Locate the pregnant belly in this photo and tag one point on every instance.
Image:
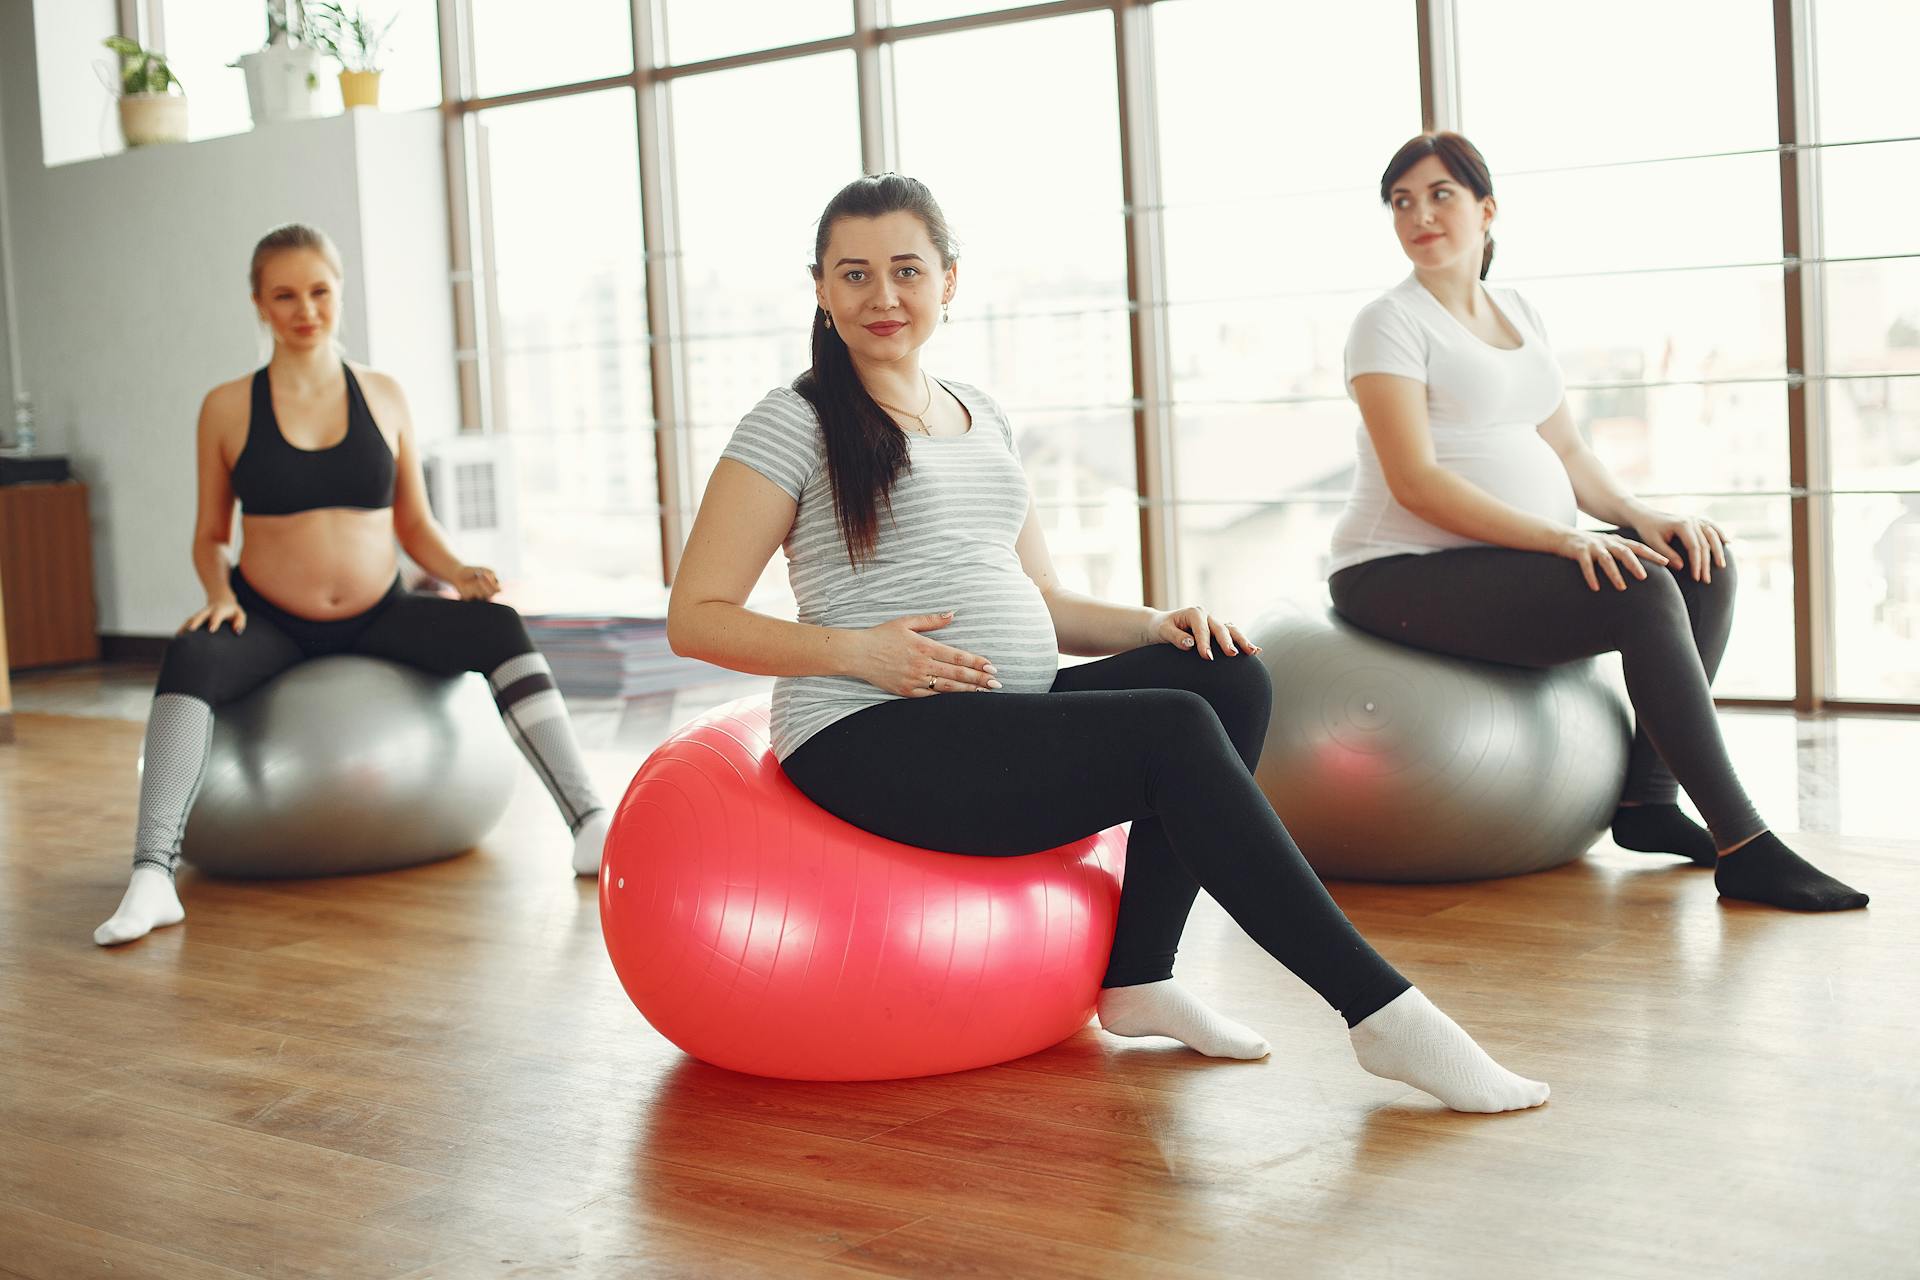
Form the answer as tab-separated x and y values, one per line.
1519	468
1000	618
326	564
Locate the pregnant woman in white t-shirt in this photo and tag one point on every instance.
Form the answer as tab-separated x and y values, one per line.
1460	536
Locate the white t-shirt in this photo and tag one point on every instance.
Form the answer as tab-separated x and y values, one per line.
1483	405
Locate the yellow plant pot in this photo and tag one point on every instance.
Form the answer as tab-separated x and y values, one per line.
359	89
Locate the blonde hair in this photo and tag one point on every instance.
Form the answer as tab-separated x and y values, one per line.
294	235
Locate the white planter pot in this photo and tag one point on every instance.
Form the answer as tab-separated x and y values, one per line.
147	118
282	82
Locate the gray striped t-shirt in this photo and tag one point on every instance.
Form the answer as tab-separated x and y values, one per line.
949	544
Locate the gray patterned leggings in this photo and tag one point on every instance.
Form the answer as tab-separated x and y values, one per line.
204	670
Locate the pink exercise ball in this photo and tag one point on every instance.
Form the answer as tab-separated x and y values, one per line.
760	933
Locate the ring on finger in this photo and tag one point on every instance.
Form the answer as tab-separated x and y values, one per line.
930	680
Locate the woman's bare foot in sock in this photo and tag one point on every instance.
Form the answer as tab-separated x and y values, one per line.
1409	1040
1764	870
1663	828
151	902
589	842
1168	1009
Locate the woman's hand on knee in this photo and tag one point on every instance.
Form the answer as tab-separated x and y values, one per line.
1194	628
1703	544
226	609
1607	553
897	657
475	582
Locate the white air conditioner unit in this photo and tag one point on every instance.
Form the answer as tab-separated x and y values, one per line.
472	490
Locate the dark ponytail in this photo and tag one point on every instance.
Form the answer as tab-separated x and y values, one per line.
1463	161
866	452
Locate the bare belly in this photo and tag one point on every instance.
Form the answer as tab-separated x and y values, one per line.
327	564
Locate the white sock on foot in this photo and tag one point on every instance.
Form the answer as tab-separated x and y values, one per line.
589	841
150	902
1409	1040
1166	1008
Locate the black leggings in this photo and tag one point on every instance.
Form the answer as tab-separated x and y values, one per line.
1533	609
432	633
1158	736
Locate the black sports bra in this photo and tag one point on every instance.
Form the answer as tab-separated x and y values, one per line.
273	478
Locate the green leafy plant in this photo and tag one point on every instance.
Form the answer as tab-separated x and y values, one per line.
351	39
142	70
286	22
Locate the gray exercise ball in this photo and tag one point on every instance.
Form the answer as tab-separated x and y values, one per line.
348	764
1392	763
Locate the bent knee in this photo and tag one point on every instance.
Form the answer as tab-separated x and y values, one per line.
500	630
194	661
1235	686
1178	713
1244	673
1656	592
1656	604
1726	577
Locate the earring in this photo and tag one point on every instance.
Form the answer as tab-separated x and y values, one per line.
827	316
946	316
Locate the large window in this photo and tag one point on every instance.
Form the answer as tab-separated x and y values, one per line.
1040	315
695	30
1870	182
744	245
517	46
568	357
1275	238
1640	195
1654	257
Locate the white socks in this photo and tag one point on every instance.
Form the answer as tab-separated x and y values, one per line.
1166	1008
1409	1040
149	904
588	842
1406	1040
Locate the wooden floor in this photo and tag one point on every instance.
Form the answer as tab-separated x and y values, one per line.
435	1073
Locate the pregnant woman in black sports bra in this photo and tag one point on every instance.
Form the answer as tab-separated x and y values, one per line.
319	573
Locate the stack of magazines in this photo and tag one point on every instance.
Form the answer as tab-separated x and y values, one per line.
594	656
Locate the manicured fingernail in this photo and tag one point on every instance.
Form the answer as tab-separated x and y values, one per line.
993	684
989	668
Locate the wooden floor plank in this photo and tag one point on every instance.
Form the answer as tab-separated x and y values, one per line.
38	1246
222	1227
210	1154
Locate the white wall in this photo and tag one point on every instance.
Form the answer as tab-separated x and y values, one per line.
404	259
132	292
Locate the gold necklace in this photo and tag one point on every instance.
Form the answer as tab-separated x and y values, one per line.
920	417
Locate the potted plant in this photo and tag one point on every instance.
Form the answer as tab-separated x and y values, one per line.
352	40
148	112
283	77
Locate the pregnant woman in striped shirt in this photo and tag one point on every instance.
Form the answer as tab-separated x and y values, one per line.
922	579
